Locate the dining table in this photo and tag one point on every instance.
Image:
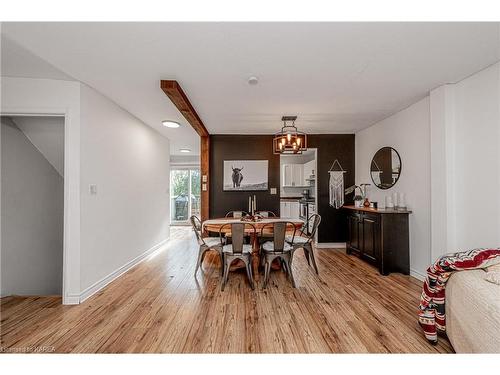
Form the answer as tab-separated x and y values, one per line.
215	226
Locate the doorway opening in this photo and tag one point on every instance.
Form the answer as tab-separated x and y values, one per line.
32	205
298	185
185	188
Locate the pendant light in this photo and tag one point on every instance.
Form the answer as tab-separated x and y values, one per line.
289	140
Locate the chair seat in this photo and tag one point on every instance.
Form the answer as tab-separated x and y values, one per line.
247	249
269	246
212	241
296	240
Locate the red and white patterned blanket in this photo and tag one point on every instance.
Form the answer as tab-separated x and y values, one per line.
431	314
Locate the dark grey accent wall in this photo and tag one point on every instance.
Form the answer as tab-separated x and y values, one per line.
259	147
241	147
333	226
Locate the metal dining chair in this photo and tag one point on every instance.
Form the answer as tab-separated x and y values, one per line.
237	249
278	248
206	244
265	213
237	214
305	239
263	237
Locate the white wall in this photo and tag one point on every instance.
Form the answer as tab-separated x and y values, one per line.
185	161
129	163
48	96
449	144
126	159
466	123
477	178
32	218
408	132
47	135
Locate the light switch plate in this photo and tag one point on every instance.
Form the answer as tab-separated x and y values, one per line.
204	178
273	191
204	187
93	189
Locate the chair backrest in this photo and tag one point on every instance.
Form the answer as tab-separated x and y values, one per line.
265	213
280	229
237	235
236	214
196	224
316	220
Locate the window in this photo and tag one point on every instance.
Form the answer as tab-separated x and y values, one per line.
185	194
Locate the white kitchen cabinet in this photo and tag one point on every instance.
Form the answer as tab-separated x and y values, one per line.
294	210
284	209
289	209
293	175
287	174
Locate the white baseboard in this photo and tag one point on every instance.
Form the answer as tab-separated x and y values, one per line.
417	275
91	290
71	299
331	245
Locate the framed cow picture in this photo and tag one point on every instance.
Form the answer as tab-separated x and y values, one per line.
245	175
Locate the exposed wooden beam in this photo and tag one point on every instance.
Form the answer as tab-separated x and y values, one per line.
174	91
205	171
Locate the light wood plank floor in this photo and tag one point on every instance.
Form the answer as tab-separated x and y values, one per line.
159	306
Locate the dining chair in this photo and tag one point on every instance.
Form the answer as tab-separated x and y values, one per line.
263	237
237	214
305	239
265	213
205	243
237	249
278	248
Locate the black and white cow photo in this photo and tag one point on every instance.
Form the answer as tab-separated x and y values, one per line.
245	175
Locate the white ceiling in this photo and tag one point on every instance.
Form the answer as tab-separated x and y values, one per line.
16	61
19	62
337	77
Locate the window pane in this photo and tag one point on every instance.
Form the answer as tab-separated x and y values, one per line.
179	188
195	192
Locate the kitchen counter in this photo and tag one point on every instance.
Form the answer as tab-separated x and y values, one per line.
377	210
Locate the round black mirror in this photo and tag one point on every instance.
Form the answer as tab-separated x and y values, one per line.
385	168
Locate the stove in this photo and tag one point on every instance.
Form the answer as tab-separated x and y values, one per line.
304	205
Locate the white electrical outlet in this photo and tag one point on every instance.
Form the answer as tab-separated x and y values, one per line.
273	190
93	189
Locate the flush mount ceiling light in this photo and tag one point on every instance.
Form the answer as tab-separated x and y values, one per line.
185	150
289	140
253	80
170	124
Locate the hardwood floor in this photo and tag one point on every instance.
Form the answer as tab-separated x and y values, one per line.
159	306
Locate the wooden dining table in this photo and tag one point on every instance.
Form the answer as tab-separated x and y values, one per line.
215	225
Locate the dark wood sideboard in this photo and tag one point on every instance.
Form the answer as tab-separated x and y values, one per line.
381	237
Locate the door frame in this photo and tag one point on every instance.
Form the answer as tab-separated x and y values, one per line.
71	227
